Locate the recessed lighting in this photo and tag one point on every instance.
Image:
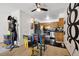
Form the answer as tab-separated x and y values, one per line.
47	18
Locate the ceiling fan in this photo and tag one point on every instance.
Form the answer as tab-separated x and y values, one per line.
39	8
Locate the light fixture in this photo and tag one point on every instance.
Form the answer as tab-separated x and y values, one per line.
47	17
48	27
32	20
38	9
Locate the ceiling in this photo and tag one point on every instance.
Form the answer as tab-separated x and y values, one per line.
54	9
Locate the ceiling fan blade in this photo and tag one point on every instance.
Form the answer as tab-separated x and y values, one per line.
33	10
44	9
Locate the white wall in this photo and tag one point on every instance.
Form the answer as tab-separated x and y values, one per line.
24	21
5	11
24	24
3	26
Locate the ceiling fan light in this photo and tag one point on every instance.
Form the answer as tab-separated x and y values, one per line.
38	9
